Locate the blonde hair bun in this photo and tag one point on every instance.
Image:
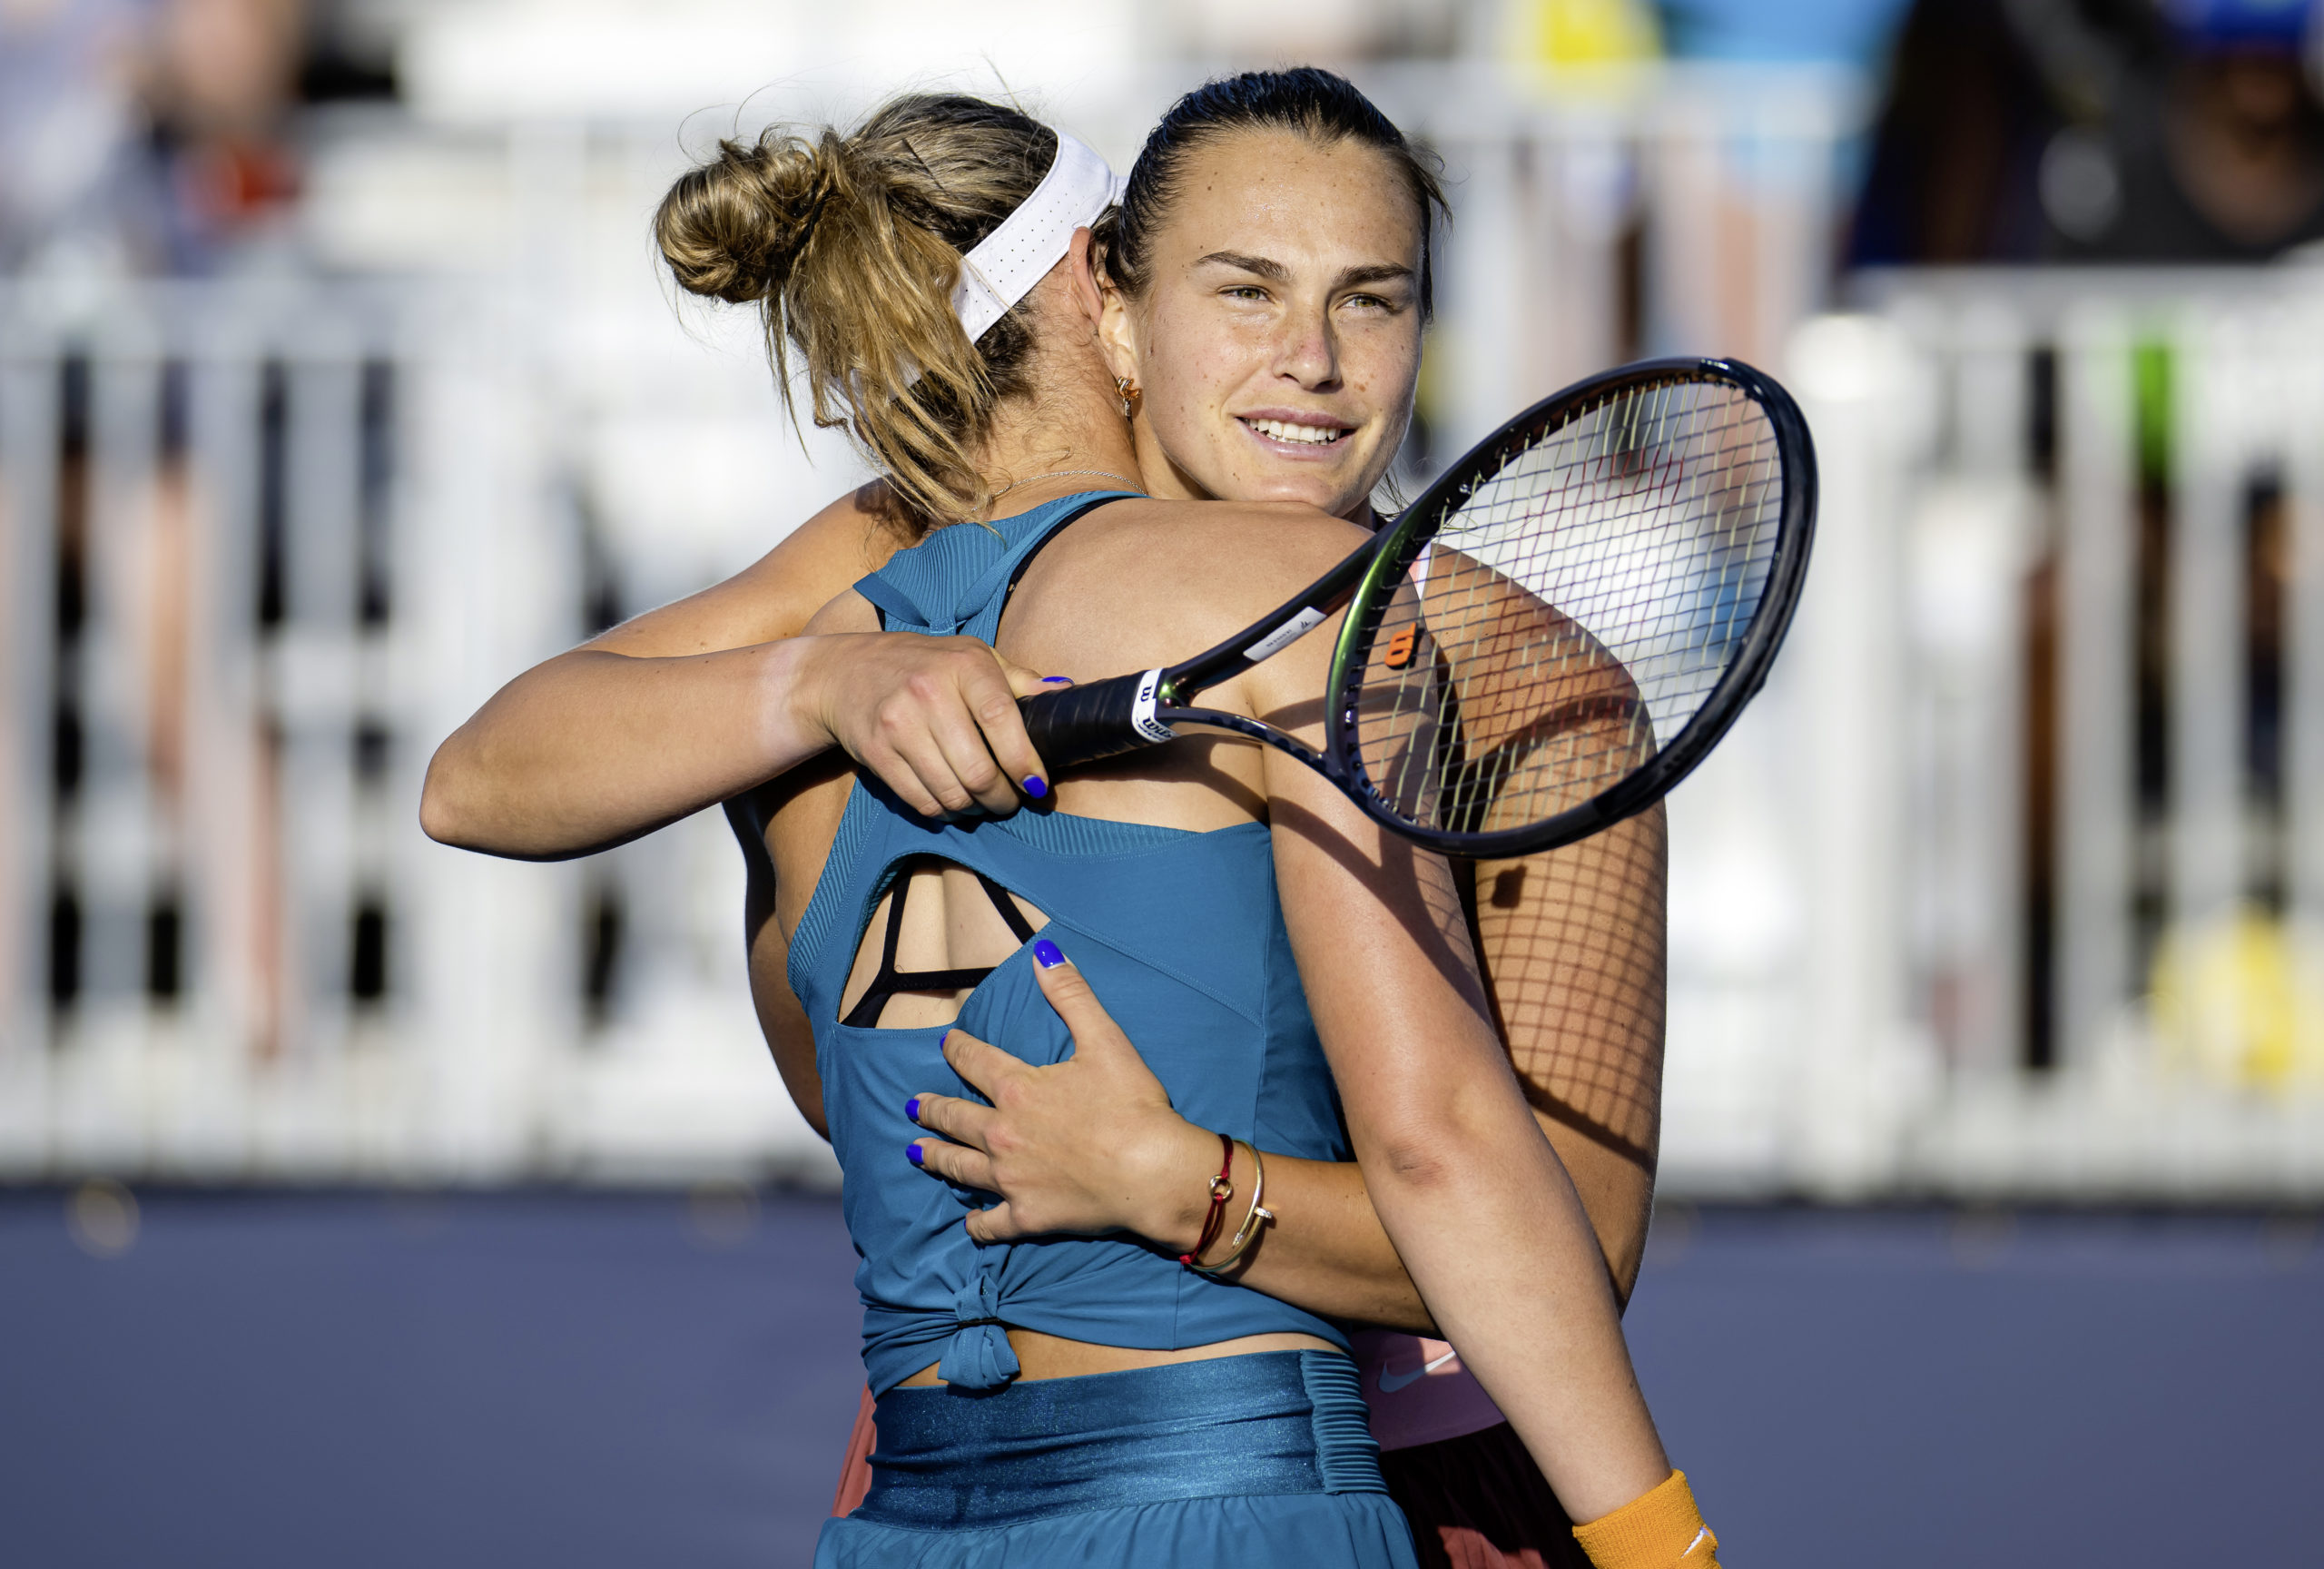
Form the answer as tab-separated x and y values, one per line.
732	229
851	246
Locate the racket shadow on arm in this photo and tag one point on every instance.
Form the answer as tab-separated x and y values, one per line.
1534	716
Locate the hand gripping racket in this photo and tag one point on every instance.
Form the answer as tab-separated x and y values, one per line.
1550	638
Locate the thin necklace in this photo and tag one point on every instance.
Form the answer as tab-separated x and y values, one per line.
1072	473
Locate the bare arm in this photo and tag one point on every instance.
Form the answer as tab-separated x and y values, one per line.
1573	944
1477	1203
698	700
654	719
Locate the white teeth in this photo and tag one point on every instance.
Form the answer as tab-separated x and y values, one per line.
1283	430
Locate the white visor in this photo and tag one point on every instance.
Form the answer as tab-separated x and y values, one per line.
1007	263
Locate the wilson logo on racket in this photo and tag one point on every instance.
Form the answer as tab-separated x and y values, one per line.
1149	686
1607	580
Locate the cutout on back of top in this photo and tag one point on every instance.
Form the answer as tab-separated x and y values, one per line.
940	930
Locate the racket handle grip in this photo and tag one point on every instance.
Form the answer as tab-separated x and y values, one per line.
1083	723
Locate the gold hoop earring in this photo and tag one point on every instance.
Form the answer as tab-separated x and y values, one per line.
1128	395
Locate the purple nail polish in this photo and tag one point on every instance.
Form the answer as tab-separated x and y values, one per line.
1047	953
1036	786
911	1108
913	1154
1057	680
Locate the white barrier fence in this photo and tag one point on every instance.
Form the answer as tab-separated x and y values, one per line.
264	548
2009	885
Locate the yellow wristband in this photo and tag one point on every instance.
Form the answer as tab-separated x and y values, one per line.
1656	1530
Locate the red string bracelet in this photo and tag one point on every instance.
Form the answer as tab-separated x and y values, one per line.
1222	1188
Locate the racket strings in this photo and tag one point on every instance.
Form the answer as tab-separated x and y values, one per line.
1576	611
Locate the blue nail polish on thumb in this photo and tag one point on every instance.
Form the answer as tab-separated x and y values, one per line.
1057	680
1047	954
1036	786
912	1153
911	1108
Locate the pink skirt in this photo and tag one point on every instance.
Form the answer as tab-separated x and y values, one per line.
855	1471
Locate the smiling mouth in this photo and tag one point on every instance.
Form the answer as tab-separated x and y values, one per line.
1302	435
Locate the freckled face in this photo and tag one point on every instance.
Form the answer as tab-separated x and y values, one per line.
1278	345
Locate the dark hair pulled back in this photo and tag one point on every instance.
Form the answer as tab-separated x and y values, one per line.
850	245
1314	103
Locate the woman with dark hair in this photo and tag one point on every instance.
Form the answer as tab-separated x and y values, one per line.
1477	1203
1194	322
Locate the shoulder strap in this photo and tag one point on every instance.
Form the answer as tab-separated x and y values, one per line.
930	604
1000	579
894	603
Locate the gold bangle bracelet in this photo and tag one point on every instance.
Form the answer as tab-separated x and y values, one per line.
1259	1215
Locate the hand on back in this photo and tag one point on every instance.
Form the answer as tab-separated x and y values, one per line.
1087	1146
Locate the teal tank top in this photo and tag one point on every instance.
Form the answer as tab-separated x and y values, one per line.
1182	938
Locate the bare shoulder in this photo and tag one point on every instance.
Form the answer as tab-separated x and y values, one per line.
1244	537
1146	583
776	596
847	611
1216	564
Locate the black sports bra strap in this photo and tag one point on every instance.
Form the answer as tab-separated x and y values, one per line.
895	929
1007	908
865	1014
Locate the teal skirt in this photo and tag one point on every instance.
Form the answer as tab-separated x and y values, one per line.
1239	1461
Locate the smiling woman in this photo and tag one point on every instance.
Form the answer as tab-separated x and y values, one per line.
1262	291
1266	281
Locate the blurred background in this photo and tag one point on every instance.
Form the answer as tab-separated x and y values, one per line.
364	1200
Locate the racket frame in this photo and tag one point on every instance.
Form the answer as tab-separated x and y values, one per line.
1368	577
1402	543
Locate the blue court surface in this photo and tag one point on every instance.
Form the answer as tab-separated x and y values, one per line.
353	1380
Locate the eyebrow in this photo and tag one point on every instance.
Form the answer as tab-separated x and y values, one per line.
1275	271
1265	267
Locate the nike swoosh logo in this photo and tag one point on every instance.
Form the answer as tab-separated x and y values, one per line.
1390	1382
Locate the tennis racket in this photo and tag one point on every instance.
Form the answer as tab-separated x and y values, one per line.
1550	638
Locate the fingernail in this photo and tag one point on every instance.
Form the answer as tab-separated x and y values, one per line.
1036	786
911	1108
1057	680
913	1154
1047	953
